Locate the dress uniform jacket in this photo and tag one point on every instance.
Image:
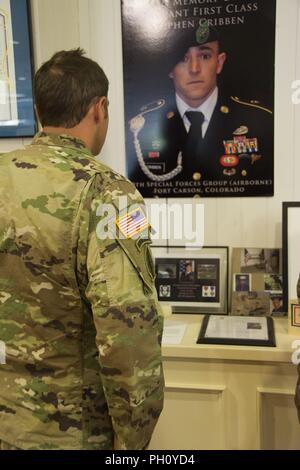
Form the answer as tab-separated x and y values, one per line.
164	137
78	312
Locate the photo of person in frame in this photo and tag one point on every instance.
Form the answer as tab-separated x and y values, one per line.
198	131
277	306
187	271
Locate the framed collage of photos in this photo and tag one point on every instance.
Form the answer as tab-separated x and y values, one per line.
17	117
257	284
192	280
291	260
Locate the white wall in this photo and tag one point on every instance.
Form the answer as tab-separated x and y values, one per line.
96	26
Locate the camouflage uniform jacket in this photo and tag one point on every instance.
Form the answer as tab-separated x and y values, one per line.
78	312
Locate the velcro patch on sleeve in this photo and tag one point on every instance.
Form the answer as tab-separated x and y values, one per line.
133	223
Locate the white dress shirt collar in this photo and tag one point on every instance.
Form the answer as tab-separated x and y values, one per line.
207	108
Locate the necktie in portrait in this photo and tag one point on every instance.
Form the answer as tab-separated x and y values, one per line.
194	138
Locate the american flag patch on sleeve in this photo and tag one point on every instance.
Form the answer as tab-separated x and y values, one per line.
133	223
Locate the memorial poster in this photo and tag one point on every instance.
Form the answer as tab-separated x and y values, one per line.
199	96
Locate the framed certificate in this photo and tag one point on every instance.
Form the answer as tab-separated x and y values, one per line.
255	331
16	102
193	280
291	252
295	315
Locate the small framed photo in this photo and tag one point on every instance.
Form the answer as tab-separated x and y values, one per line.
237	331
192	280
250	303
242	283
260	260
273	283
260	269
291	252
17	117
276	305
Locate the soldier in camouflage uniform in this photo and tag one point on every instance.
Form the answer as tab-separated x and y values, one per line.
78	311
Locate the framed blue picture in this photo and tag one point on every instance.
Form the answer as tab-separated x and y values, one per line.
17	118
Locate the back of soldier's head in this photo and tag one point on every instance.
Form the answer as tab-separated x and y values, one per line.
66	86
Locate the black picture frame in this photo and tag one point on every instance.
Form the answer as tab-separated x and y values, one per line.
17	116
286	251
269	330
193	305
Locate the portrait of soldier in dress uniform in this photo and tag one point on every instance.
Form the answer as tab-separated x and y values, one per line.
198	134
187	271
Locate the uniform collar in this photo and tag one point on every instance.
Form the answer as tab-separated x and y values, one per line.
61	140
207	108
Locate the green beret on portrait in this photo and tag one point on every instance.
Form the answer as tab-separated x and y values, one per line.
181	40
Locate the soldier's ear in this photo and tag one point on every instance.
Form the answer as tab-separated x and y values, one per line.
100	110
103	103
171	75
221	62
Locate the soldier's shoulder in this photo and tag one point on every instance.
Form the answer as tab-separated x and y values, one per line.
110	186
167	116
250	105
12	156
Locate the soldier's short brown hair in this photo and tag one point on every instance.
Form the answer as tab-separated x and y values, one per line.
66	86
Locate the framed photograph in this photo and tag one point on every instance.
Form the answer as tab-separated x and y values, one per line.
242	282
257	286
260	260
17	117
291	252
237	331
234	146
250	303
276	305
273	283
192	280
